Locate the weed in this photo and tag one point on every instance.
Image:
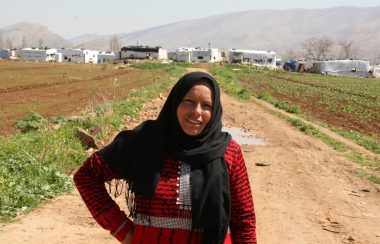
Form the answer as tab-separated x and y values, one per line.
31	122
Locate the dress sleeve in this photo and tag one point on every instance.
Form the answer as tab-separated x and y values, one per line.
90	181
243	220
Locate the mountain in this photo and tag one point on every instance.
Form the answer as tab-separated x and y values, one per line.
86	38
32	34
101	44
278	30
282	31
274	30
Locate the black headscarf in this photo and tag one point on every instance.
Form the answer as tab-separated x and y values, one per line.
138	156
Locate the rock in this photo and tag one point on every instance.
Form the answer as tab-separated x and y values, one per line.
262	164
86	139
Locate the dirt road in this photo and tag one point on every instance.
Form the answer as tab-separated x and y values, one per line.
306	194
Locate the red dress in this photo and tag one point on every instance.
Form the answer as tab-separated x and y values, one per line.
166	218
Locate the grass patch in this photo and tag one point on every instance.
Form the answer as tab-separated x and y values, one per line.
290	108
311	130
365	141
373	178
229	82
31	122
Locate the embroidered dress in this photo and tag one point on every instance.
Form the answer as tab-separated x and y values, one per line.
167	217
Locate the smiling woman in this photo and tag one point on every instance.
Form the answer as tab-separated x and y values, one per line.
187	177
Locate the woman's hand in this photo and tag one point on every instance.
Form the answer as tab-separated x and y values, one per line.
128	238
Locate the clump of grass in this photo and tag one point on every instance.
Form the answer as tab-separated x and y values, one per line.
31	122
364	160
25	182
375	179
311	130
290	108
60	119
340	147
365	141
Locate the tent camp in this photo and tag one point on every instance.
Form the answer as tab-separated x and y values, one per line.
342	67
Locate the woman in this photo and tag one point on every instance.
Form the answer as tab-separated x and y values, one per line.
187	179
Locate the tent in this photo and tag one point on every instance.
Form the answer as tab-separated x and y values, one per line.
342	67
376	71
262	58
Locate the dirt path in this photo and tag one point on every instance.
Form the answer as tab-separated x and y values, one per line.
307	194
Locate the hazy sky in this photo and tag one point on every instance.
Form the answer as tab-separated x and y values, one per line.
69	18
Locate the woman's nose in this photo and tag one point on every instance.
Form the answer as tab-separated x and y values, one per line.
198	109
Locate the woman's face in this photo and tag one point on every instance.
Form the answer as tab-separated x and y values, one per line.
195	110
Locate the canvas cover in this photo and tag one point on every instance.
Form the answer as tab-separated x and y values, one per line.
376	71
262	58
358	68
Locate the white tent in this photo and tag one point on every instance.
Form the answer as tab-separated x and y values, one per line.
36	54
183	54
262	58
376	71
342	67
106	56
72	55
5	53
79	55
205	55
143	52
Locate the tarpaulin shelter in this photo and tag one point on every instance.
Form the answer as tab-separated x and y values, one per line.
262	58
358	68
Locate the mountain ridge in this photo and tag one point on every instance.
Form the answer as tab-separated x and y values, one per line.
276	30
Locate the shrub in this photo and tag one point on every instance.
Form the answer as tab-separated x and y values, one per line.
31	122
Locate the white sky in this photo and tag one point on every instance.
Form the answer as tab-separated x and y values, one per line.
69	18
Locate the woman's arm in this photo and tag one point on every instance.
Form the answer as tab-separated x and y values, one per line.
89	180
243	221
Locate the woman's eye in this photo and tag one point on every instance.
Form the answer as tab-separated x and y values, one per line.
207	106
187	102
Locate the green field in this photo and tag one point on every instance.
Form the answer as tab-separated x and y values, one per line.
349	105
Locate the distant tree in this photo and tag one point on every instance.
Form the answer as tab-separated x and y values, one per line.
289	55
317	48
23	41
1	41
9	43
40	42
376	58
114	43
347	50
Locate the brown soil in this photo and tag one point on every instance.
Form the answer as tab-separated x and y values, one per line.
307	194
62	89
